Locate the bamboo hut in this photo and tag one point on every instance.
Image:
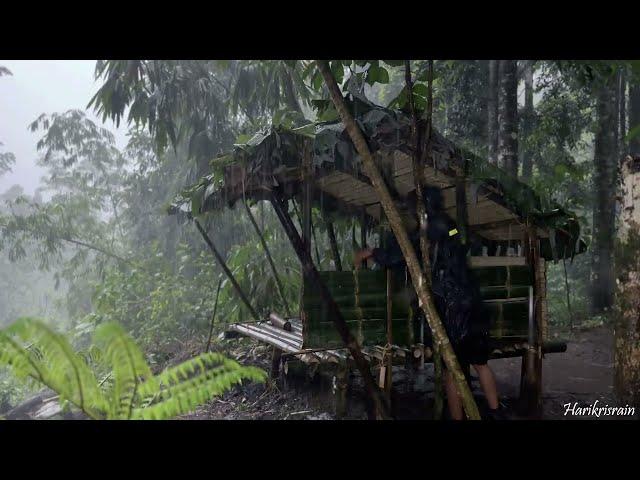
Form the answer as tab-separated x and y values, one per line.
514	235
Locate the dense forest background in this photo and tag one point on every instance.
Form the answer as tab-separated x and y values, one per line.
95	244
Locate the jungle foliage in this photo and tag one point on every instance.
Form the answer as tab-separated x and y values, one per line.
96	243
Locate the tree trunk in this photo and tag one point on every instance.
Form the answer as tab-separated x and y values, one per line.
418	277
508	116
634	116
605	159
527	124
492	109
627	325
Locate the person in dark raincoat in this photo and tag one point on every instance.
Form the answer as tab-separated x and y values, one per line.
456	297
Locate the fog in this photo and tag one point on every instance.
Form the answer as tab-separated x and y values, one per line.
36	87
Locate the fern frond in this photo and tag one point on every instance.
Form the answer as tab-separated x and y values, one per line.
185	397
18	358
128	364
52	361
180	389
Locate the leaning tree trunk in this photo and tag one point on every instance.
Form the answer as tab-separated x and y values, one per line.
492	109
605	160
627	325
527	120
508	116
418	277
333	311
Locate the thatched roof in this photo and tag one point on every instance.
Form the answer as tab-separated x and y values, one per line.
498	205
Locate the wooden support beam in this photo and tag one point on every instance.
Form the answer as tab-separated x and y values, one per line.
276	358
267	252
309	269
226	270
531	375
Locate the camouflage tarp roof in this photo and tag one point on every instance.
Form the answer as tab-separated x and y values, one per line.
498	204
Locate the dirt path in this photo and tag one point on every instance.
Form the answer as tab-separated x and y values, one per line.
582	374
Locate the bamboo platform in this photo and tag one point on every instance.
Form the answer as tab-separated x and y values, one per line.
291	343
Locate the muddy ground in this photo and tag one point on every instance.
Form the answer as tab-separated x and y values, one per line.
582	374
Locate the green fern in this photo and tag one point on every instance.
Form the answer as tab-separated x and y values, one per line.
33	350
128	367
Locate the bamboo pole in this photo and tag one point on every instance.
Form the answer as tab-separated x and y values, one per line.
258	335
566	287
226	270
531	376
418	177
267	252
278	321
334	246
363	235
315	240
389	377
417	275
348	339
213	317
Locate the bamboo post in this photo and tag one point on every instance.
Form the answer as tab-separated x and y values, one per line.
363	235
315	239
226	270
310	271
389	377
342	389
276	357
462	213
213	317
566	286
267	252
335	252
418	277
531	380
306	200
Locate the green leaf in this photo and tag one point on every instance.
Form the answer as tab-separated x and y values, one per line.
338	70
317	80
420	89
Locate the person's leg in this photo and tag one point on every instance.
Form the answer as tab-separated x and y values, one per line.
453	399
488	384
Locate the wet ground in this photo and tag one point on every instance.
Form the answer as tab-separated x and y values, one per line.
582	374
